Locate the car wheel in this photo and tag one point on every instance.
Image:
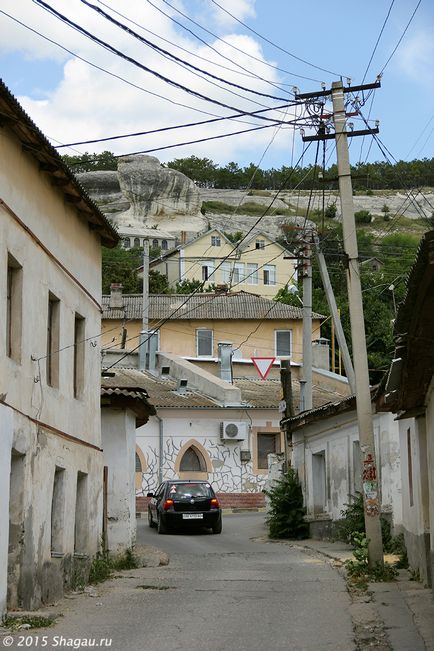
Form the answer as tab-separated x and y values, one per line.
161	526
217	528
150	520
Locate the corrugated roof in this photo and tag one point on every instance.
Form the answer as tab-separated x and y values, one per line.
162	392
35	143
239	305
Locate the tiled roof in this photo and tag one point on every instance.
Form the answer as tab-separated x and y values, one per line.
240	305
38	146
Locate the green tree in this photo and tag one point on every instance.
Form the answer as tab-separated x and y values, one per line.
200	170
120	265
188	286
286	512
158	283
91	162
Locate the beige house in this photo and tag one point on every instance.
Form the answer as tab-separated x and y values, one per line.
258	265
51	461
193	326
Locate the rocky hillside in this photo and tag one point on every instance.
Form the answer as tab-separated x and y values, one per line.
142	193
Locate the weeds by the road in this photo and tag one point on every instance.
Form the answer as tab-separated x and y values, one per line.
17	623
358	567
103	565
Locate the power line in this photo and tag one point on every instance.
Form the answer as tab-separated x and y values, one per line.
173	57
293	74
114	75
267	40
122	55
194	54
378	40
176	126
401	37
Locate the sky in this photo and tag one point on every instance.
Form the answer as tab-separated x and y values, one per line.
86	91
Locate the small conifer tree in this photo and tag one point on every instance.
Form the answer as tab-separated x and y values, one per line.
286	512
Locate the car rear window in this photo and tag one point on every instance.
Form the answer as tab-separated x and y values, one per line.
191	490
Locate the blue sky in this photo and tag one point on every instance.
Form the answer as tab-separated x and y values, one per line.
72	101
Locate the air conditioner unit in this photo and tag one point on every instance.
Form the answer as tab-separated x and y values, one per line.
233	431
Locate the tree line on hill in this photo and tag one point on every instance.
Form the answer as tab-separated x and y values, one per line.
207	174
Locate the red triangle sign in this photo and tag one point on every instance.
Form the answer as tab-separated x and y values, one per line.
263	365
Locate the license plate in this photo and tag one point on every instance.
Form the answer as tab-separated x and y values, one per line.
192	516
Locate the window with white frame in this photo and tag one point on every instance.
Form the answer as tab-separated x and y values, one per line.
260	244
238	273
225	270
252	273
282	343
204	342
215	240
269	272
207	269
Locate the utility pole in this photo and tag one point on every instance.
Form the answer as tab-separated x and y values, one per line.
306	375
286	406
348	365
363	393
144	334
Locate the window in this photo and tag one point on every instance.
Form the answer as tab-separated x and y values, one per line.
192	461
267	444
164	245
215	240
57	510
226	273
81	516
252	274
319	482
79	348
269	274
138	464
283	343
204	342
238	273
53	339
14	309
154	244
260	244
207	269
127	243
136	242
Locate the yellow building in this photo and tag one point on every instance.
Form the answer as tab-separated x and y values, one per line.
257	265
193	326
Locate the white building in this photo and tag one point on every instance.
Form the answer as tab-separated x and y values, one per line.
50	428
326	455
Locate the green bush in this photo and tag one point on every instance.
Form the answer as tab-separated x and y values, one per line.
330	211
363	217
353	522
286	513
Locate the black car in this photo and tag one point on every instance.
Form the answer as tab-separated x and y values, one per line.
180	503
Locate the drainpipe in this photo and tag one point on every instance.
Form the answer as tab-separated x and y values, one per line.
160	448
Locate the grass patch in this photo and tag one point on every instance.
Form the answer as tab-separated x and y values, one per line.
103	565
15	623
259	193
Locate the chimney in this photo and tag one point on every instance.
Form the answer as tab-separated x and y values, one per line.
183	237
225	357
116	298
321	353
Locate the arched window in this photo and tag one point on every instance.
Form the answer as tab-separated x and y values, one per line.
127	242
164	245
154	243
192	461
138	463
137	241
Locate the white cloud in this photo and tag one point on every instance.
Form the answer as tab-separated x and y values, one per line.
415	57
241	9
88	103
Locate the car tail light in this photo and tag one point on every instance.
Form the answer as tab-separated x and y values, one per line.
215	503
167	505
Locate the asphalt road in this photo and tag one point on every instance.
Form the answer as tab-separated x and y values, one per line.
236	591
229	592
